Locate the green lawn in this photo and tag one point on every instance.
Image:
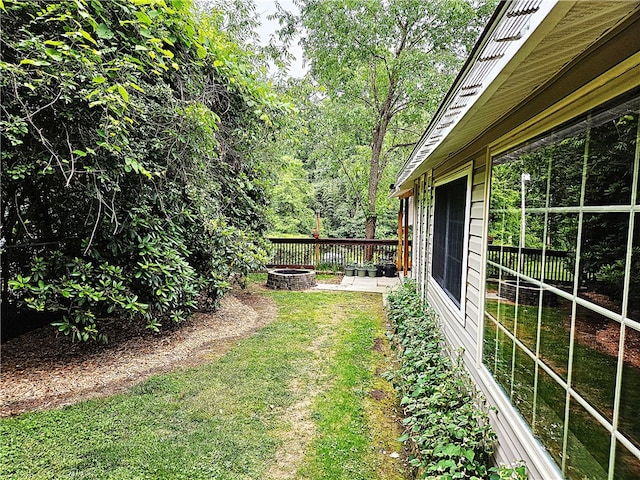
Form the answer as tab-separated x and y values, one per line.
291	401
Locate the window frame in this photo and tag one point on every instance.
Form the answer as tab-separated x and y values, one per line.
633	207
466	171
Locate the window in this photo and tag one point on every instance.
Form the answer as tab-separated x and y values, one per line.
448	237
562	302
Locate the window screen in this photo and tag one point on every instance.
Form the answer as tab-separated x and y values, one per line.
448	241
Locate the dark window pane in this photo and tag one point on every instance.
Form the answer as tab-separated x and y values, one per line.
502	310
589	163
507	259
588	445
490	344
562	238
503	367
448	241
629	421
555	328
602	258
610	164
550	409
527	326
506	179
534	230
531	259
566	171
536	165
595	359
627	464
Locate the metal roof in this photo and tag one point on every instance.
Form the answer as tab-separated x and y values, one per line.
489	84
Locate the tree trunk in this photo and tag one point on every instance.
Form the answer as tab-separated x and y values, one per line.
375	174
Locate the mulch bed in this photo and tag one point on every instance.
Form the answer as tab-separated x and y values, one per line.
40	370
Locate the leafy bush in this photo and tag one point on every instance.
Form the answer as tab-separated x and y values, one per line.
446	422
128	135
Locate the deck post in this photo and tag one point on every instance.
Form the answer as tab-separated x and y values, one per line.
400	238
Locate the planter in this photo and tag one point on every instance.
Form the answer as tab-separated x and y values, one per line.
361	272
372	271
349	271
379	270
390	270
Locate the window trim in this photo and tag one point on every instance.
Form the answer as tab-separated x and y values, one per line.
464	171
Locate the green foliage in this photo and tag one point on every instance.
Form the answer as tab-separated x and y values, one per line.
446	422
291	199
381	67
128	132
508	472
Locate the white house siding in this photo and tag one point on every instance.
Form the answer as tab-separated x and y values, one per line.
583	55
462	331
419	262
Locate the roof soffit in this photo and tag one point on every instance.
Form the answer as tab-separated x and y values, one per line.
493	85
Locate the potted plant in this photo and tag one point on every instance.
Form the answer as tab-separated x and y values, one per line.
379	269
379	262
390	269
361	270
371	269
350	270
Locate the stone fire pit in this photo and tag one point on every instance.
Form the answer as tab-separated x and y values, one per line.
291	279
528	293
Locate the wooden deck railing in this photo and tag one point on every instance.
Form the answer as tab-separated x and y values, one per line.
330	253
557	265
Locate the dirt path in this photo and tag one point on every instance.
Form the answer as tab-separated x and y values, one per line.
38	372
306	387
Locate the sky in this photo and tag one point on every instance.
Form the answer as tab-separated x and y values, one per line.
268	27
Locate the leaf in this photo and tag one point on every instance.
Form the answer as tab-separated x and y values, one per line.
53	53
88	36
123	92
80	153
143	18
103	32
37	63
136	87
469	454
99	79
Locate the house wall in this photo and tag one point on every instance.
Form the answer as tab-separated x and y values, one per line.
463	326
463	330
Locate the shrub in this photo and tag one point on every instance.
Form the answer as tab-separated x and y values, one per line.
128	133
446	425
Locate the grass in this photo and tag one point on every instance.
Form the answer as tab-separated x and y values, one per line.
231	418
342	413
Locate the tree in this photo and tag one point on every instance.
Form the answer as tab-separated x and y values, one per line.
394	58
291	212
128	173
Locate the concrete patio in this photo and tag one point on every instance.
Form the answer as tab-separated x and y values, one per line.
363	284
